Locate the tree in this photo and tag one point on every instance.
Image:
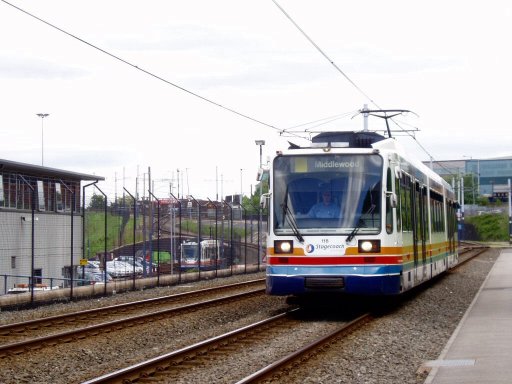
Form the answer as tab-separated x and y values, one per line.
97	202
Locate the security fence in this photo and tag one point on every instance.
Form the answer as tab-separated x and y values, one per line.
125	244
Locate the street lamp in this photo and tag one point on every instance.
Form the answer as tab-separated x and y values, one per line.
261	143
42	116
241	185
472	177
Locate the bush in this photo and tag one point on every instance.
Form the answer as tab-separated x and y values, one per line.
490	227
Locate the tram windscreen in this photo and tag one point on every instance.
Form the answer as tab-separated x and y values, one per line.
324	194
189	252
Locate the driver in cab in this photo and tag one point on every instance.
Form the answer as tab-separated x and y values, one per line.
325	209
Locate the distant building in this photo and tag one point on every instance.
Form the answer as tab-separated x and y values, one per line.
41	223
490	175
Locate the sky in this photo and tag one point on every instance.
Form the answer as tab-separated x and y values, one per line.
178	91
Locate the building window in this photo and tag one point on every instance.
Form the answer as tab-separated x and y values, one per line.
40	195
13	262
38	274
58	198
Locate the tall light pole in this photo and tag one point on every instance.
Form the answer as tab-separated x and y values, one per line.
42	116
241	184
261	143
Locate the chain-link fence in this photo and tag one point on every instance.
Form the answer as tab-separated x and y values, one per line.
161	240
104	247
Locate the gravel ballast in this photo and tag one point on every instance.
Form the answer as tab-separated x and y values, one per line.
391	349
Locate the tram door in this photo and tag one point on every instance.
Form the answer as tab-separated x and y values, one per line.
418	212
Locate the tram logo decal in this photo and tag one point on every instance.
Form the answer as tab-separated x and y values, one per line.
325	248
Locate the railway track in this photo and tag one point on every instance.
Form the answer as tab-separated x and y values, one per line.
93	322
191	369
200	356
209	354
468	251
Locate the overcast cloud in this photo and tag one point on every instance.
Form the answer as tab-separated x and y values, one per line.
449	62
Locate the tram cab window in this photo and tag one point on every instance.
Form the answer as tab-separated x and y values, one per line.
354	187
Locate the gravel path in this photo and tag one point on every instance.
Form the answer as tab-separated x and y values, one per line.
390	350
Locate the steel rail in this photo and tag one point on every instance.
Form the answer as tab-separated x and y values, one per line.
94	330
161	363
304	353
17	328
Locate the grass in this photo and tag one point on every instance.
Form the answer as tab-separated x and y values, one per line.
119	234
490	227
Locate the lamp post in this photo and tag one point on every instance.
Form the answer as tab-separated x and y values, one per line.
42	116
261	143
241	185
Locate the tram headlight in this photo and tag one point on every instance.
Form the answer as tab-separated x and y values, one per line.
283	246
368	246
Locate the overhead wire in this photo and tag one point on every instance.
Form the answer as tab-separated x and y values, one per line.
124	61
324	54
330	118
314	124
142	69
344	74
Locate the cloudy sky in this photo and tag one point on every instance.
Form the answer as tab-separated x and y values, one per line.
135	87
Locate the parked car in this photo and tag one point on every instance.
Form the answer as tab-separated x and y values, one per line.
89	267
93	277
139	268
128	258
119	268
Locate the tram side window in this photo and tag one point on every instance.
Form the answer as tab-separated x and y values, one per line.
389	209
2	199
405	199
426	234
398	206
417	211
442	224
436	212
433	214
420	203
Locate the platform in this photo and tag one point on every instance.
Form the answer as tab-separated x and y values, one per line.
480	349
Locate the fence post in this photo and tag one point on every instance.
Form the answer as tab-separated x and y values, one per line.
71	240
32	246
179	238
158	237
134	233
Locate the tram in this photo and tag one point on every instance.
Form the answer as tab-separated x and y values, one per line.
353	213
210	251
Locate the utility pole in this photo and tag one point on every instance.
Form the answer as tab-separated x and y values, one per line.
42	116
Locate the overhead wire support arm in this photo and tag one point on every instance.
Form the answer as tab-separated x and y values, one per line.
384	115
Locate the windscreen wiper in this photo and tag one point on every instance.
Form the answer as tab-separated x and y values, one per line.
360	223
291	219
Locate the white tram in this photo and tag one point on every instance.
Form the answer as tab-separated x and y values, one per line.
390	224
210	251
